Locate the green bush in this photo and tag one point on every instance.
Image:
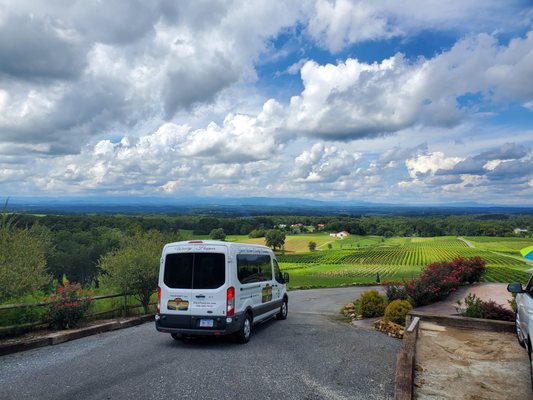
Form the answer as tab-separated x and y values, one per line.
372	304
397	311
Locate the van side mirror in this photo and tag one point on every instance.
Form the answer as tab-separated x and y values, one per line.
515	288
286	277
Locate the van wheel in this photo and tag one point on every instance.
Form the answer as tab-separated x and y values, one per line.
284	310
243	335
177	336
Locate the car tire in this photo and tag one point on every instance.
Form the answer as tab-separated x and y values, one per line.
177	336
519	333
284	310
243	334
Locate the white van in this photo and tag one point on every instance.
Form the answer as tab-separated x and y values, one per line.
209	287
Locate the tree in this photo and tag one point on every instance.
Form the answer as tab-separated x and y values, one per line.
134	268
312	246
22	259
217	234
275	238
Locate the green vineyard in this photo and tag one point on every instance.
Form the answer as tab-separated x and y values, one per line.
393	260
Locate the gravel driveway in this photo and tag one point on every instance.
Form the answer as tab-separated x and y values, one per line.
311	355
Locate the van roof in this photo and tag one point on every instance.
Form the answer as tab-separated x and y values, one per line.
215	242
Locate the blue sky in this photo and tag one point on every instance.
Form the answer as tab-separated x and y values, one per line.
415	102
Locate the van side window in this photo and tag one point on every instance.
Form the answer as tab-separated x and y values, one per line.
277	273
254	268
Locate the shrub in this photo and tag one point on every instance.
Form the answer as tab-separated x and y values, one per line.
439	279
394	291
491	310
472	306
372	304
477	308
397	311
68	305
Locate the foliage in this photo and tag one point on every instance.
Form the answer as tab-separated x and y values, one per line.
312	246
439	279
22	258
217	234
134	268
372	304
275	238
257	233
512	303
397	310
394	291
68	305
474	307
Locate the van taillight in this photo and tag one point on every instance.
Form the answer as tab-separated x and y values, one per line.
158	310
230	311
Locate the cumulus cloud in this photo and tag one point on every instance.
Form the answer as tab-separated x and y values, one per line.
339	23
354	99
324	164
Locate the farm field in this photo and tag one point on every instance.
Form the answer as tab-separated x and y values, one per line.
364	259
393	259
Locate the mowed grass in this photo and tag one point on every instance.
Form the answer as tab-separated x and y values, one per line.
508	245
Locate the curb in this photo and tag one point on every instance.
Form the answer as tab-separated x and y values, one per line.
61	337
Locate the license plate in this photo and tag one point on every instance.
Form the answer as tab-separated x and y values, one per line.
206	323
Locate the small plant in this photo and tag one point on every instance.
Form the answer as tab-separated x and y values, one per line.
397	310
372	304
477	308
472	306
68	305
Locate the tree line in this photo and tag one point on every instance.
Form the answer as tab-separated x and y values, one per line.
82	247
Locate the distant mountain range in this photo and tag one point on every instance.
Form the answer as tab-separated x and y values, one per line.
242	206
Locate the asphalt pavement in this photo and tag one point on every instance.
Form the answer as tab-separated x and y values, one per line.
313	354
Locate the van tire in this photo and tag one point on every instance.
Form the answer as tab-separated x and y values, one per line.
284	310
176	336
243	334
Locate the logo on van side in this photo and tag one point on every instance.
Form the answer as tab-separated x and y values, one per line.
266	293
178	304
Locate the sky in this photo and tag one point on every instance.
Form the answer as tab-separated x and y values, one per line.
410	102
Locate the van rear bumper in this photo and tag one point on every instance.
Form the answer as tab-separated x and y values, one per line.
190	324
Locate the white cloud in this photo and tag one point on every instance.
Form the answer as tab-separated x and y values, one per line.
324	164
339	23
430	163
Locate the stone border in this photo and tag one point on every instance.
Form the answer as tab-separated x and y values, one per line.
405	362
65	336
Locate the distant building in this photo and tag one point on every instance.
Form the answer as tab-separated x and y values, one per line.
341	234
518	231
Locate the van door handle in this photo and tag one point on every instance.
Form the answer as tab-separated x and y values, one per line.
200	296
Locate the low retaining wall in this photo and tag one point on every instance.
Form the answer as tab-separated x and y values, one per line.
405	362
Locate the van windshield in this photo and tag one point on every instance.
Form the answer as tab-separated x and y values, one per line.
195	270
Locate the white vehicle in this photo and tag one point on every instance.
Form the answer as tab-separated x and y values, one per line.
524	316
218	288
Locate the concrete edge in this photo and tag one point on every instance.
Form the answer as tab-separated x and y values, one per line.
465	322
405	362
65	336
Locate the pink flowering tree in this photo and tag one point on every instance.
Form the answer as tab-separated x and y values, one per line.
68	305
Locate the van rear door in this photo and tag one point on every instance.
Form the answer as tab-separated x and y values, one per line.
194	280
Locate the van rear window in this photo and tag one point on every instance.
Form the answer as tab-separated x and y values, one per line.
253	268
195	270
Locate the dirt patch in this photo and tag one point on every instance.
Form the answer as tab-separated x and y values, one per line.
455	363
